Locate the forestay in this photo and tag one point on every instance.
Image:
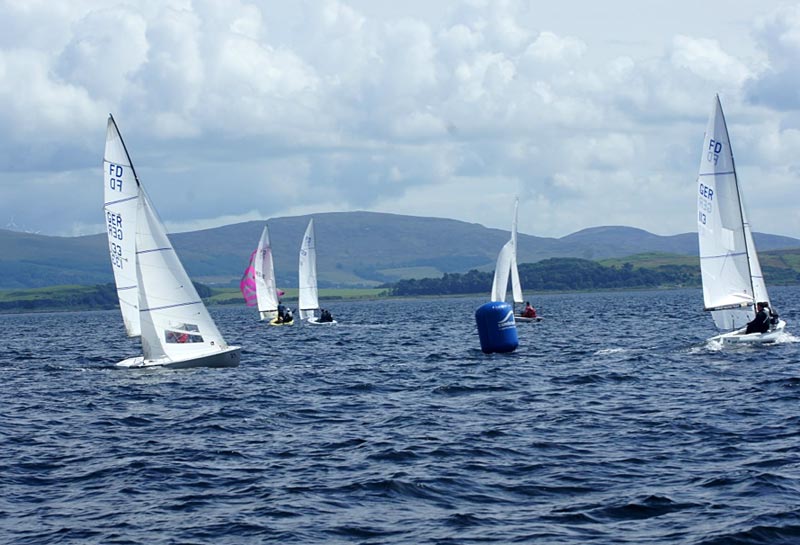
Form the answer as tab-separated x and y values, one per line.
121	193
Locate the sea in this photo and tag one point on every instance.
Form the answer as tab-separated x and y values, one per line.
614	422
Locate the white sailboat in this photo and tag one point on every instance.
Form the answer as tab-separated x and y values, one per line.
266	288
258	283
308	295
507	266
731	273
158	300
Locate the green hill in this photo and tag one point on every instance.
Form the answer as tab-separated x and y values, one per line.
650	270
354	249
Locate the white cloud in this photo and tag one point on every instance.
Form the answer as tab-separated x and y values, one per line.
778	84
706	59
252	109
107	46
550	48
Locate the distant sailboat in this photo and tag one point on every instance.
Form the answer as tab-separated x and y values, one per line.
731	273
308	296
507	266
258	283
158	300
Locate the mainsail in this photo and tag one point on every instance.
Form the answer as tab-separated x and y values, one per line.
258	285
308	299
121	195
266	290
731	273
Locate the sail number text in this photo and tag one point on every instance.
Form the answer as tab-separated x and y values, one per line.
114	224
705	203
116	254
115	181
714	149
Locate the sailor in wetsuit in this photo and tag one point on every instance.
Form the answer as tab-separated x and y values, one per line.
281	313
761	322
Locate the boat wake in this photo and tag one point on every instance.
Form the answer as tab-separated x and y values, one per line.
786	338
609	351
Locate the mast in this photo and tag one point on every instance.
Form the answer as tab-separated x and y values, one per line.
124	147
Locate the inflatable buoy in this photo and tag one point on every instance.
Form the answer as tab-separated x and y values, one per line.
496	327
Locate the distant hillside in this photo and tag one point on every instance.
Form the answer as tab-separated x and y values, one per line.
353	249
650	270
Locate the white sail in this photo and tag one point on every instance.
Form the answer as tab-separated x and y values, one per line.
757	277
728	260
308	300
501	272
120	196
516	287
266	288
175	327
175	322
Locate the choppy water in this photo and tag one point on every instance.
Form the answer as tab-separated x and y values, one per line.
613	423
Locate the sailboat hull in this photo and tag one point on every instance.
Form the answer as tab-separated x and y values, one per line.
314	320
275	322
229	357
525	319
740	337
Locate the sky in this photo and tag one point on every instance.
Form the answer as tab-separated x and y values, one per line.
592	113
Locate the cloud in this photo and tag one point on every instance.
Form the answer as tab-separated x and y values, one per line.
706	59
551	48
252	110
778	84
106	47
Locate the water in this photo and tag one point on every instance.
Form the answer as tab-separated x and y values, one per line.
614	422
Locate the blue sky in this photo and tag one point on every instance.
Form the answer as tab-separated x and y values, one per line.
236	111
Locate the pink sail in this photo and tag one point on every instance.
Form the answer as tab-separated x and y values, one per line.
248	283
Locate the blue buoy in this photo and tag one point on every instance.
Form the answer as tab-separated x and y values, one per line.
496	327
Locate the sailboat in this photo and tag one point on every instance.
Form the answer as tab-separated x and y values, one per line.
731	273
258	282
308	296
507	266
157	299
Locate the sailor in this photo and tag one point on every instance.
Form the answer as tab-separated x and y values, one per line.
528	311
761	322
325	316
281	312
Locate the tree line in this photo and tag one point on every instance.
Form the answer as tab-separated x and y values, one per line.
556	274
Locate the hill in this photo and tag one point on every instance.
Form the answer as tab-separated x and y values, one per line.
353	249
